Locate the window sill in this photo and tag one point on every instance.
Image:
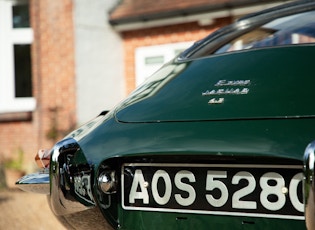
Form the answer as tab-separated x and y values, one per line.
16	116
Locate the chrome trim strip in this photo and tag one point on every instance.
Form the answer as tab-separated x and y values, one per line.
215	165
35	183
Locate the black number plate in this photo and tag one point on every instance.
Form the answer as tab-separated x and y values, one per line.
273	191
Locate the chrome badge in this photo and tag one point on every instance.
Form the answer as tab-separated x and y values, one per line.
226	87
232	83
214	101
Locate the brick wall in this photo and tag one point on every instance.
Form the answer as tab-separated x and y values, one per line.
161	35
53	58
53	82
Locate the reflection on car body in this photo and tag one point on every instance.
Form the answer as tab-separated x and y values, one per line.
216	137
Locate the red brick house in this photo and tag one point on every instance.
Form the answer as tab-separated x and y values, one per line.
63	61
36	94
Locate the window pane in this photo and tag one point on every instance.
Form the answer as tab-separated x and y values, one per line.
154	60
21	16
22	67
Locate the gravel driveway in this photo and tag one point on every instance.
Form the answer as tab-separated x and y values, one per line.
27	211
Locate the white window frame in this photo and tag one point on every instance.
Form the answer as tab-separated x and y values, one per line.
10	36
165	50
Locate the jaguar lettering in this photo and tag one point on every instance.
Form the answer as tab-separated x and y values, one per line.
229	91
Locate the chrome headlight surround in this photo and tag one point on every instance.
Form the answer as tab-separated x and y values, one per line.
108	189
107	181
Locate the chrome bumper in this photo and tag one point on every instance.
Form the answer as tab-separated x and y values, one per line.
35	183
309	188
67	181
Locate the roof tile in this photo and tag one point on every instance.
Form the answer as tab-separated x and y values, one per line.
144	9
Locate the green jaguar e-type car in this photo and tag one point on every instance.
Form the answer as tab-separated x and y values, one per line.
218	138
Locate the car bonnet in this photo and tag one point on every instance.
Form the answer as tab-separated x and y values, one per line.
254	84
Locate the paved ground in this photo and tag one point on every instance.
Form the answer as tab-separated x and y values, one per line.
27	211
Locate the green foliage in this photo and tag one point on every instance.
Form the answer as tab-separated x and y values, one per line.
52	133
15	162
2	177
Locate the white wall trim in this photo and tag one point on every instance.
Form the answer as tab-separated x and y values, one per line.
8	37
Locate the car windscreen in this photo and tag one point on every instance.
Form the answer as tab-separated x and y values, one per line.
294	29
288	30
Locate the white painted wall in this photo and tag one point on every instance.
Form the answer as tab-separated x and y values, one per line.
98	59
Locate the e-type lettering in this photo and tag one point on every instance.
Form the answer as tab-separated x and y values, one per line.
233	83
